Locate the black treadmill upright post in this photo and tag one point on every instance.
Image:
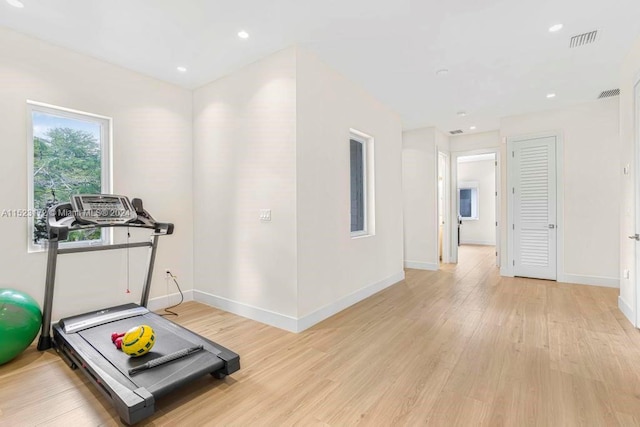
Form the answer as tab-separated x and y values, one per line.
45	342
147	280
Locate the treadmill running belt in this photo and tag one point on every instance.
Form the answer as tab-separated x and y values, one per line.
155	380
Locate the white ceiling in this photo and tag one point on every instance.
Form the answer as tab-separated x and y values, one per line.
502	59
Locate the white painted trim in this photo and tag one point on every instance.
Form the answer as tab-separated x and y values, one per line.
635	316
506	272
418	265
560	273
626	310
368	181
158	303
446	227
607	282
329	310
282	321
477	242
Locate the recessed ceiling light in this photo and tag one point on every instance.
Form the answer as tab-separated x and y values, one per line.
442	72
472	128
16	3
243	34
555	28
462	113
182	69
551	95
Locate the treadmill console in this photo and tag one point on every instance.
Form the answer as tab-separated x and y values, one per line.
102	209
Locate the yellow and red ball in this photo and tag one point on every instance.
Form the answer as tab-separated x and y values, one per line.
138	340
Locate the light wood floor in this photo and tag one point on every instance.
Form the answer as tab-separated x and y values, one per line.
462	346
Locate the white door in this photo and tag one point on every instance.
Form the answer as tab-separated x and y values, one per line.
534	207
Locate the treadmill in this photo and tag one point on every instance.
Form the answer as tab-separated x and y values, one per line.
133	384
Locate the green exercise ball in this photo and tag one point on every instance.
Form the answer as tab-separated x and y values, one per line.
20	319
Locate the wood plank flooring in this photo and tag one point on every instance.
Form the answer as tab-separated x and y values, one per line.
461	346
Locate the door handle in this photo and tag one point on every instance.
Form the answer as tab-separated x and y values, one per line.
635	237
552	226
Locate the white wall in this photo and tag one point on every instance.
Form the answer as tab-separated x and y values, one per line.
152	159
332	265
629	75
591	234
474	141
274	135
244	161
420	193
483	230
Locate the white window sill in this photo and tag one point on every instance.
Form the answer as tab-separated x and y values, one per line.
361	235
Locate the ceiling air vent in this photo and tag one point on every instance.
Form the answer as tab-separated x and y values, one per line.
609	93
583	39
455	132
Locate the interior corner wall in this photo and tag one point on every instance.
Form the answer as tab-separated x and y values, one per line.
419	193
629	76
591	235
244	161
334	269
481	231
152	159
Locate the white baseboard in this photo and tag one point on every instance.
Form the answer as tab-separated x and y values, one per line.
158	303
282	321
421	265
477	242
607	282
506	271
290	323
626	310
329	310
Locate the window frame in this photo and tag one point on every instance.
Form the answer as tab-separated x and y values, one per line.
106	173
367	183
475	200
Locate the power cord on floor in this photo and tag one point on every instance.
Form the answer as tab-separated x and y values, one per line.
167	311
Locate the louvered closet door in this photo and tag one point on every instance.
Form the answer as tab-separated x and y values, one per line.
534	204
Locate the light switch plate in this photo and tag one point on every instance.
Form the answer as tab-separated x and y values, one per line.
265	214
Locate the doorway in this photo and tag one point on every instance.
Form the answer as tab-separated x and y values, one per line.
476	192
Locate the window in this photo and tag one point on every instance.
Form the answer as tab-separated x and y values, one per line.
68	154
361	180
468	200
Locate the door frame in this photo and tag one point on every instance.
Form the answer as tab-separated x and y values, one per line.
446	234
507	268
636	189
454	199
